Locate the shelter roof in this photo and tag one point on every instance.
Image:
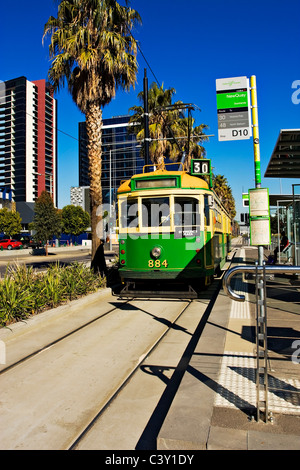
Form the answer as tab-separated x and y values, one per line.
285	159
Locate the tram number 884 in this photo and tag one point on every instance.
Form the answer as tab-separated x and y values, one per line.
157	263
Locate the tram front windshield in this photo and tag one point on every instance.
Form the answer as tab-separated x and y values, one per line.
129	213
186	212
155	212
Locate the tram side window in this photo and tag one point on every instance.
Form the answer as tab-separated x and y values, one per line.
155	212
129	213
206	210
186	213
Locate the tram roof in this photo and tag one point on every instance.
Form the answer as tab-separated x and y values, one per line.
285	159
187	181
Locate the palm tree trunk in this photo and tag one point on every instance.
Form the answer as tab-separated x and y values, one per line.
94	147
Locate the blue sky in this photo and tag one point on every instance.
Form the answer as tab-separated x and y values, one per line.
188	45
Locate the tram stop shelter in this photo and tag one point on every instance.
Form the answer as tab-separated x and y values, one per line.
285	163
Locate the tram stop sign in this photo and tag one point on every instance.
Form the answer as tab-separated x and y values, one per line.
233	107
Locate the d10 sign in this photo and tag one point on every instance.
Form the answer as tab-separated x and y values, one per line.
233	106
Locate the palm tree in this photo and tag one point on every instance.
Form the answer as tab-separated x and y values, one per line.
191	139
160	121
224	192
93	51
166	124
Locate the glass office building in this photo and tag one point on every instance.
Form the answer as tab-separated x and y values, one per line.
120	157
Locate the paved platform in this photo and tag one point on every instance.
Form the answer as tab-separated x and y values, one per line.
215	406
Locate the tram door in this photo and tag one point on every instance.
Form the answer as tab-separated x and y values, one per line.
208	235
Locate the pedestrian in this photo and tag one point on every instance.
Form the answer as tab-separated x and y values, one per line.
99	263
284	242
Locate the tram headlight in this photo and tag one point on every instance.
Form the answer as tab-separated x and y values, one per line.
156	252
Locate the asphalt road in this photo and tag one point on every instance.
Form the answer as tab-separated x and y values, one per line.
41	262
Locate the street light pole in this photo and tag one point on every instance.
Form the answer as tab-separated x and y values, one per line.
49	175
110	200
146	118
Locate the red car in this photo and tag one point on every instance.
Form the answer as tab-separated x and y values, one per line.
9	244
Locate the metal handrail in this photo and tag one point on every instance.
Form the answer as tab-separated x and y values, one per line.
252	270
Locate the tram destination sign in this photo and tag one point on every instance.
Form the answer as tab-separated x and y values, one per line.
233	107
200	166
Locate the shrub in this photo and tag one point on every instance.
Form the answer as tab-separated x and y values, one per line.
24	292
15	302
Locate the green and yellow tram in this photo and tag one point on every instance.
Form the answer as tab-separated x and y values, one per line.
174	233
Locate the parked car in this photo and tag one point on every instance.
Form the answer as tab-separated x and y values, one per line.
27	241
8	244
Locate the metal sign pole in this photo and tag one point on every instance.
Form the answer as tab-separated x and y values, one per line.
261	323
255	131
256	147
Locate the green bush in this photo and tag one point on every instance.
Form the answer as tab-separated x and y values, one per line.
24	292
15	303
78	280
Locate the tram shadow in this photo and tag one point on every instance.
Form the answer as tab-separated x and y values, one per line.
242	261
201	288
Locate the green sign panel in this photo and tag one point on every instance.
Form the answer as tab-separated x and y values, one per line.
232	100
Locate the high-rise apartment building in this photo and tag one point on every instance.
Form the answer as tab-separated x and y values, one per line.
28	139
120	156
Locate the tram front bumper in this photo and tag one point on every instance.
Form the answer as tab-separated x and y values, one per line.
159	274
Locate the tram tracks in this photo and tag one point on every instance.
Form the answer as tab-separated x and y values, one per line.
56	341
148	421
146	433
68	429
138	365
94	436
